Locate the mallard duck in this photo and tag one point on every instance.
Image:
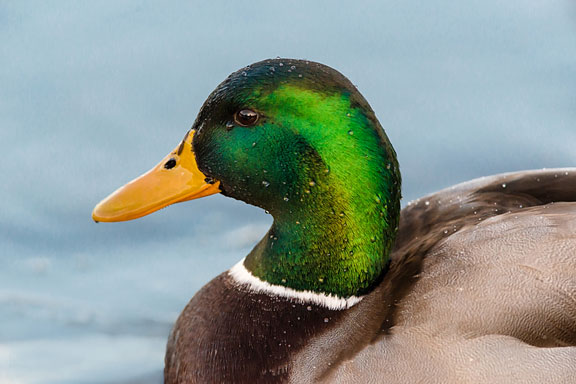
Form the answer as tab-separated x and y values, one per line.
473	284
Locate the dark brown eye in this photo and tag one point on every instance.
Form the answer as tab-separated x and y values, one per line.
246	117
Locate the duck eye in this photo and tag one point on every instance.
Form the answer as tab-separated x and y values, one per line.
170	163
246	117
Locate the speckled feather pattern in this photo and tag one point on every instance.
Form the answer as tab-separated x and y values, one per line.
481	289
492	298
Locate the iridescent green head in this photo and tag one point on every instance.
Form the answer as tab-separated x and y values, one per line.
297	139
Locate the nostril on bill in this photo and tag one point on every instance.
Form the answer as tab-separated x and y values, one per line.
170	163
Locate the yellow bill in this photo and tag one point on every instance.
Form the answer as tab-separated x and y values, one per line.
175	179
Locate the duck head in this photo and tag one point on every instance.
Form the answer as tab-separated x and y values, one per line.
297	139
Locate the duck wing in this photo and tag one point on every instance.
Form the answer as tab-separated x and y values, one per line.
483	280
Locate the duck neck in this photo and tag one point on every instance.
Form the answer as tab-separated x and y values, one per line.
331	244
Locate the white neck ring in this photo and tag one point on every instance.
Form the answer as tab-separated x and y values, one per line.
244	277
